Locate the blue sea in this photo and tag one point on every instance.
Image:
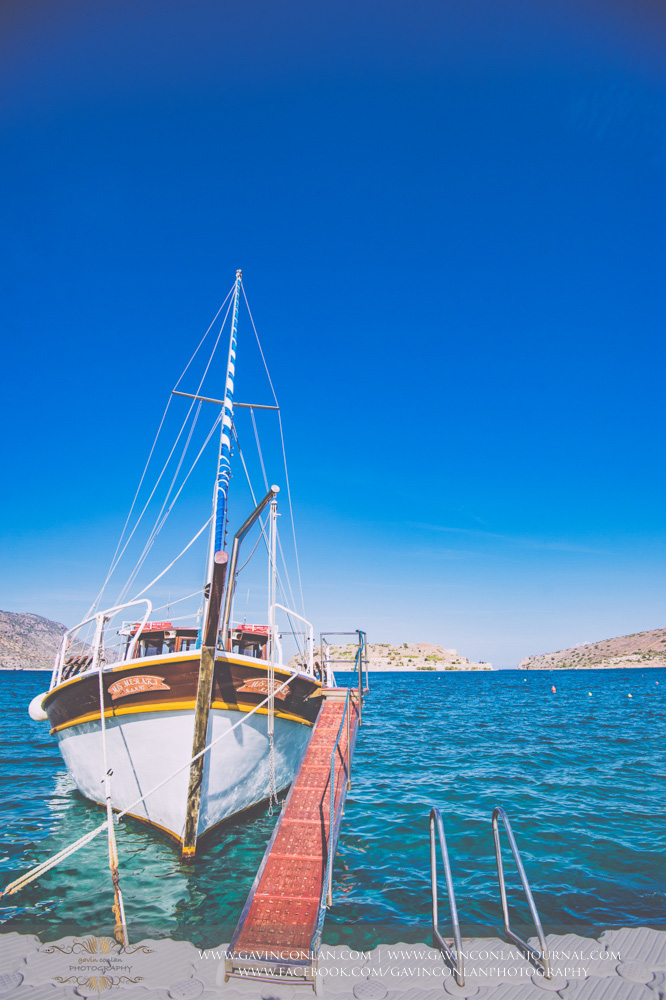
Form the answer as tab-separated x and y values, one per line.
581	773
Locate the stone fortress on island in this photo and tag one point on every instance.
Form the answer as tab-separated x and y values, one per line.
30	642
406	656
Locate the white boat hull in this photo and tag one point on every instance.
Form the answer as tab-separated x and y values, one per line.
144	749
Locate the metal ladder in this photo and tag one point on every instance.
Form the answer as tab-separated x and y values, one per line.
458	960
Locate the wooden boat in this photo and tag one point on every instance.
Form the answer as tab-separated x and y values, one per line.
187	727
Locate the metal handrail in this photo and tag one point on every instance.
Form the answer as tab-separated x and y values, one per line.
360	659
346	714
106	615
311	629
358	665
543	958
457	960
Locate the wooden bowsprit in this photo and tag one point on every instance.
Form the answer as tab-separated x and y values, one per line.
279	931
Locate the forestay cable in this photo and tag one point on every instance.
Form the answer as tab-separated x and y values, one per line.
184	424
263	532
159	527
284	454
114	560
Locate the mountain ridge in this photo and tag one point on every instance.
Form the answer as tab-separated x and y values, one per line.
28	641
639	649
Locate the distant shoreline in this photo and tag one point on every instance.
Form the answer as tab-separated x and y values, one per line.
418	670
26	670
597	666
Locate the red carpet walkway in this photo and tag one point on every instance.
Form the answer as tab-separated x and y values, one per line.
283	917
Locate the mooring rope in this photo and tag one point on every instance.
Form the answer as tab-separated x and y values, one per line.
51	862
272	790
45	866
120	927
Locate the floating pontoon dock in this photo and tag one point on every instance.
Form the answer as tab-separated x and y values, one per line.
281	924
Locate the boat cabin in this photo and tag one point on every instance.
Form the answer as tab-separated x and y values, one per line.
249	640
161	638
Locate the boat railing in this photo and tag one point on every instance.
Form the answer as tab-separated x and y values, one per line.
359	664
93	652
542	958
345	723
310	639
328	677
361	661
458	960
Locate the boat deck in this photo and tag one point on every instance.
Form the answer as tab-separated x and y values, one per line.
283	917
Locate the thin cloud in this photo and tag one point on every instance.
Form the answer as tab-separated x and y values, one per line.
529	543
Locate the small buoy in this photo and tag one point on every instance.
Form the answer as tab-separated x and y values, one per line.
630	696
553	689
35	710
590	693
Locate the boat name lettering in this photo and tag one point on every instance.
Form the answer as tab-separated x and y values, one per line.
134	685
260	686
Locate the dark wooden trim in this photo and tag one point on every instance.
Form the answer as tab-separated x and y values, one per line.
80	698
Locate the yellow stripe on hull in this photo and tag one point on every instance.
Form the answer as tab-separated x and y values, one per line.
176	706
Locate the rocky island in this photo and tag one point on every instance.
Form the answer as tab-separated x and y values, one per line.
640	649
406	656
30	642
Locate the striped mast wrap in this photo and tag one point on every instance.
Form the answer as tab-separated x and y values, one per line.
217	568
221	491
224	462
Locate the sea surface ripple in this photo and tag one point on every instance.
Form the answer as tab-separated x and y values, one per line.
581	773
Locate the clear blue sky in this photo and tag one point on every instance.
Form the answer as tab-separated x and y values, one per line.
450	217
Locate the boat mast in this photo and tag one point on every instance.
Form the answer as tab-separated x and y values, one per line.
217	567
220	493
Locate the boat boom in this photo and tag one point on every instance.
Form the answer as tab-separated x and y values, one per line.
233	562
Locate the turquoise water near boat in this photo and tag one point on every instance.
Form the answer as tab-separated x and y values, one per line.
581	773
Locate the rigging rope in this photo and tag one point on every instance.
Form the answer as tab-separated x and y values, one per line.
38	870
212	323
279	540
262	526
66	852
261	457
184	424
158	524
113	563
178	600
182	553
120	929
284	454
171	506
263	532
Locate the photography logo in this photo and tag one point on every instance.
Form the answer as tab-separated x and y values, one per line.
98	963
